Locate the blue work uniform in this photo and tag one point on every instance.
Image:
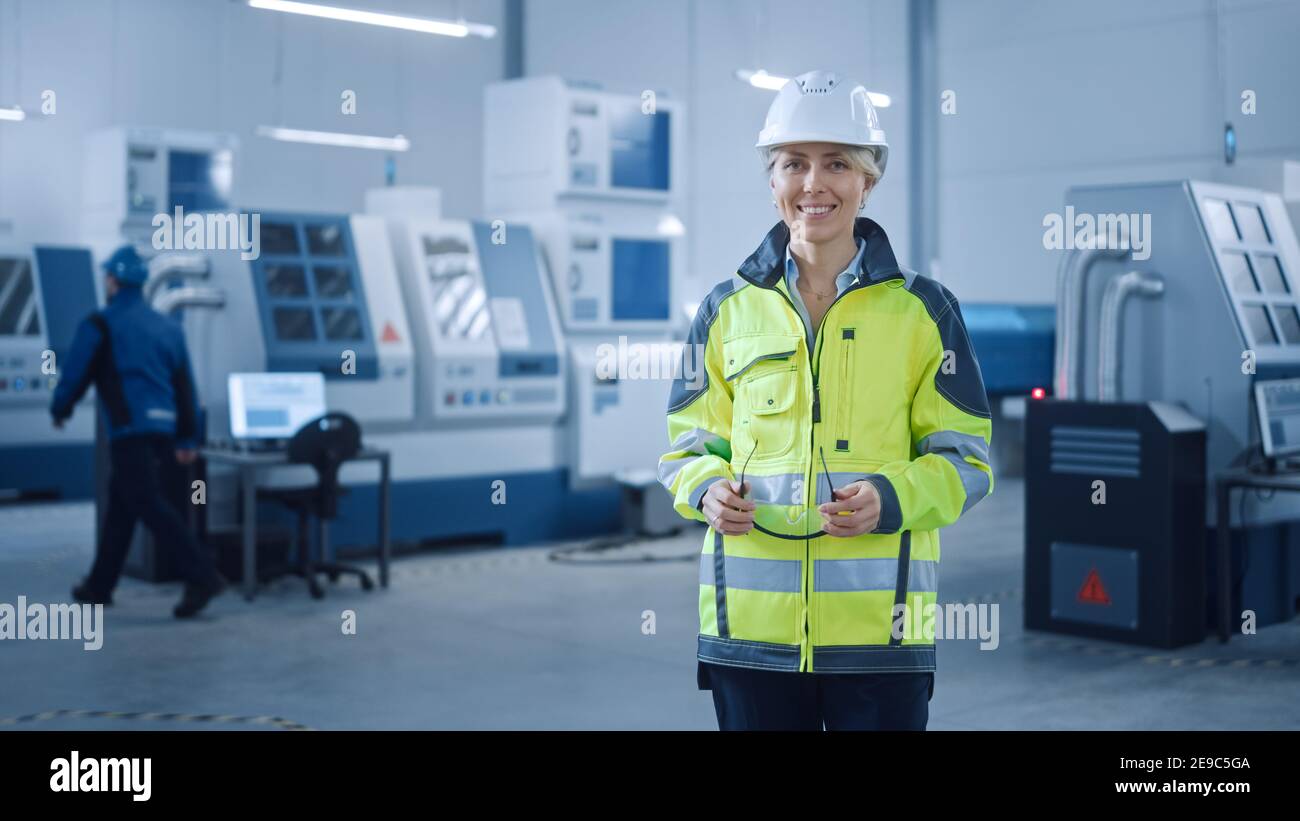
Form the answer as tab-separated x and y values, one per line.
147	386
137	361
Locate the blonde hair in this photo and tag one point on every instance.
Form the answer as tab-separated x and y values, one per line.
860	158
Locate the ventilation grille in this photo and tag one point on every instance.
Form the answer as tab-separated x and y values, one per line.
1096	451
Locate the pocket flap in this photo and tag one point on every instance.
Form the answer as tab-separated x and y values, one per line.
746	351
772	392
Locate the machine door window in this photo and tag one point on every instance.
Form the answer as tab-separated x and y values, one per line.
1236	269
333	281
285	281
280	239
1251	222
341	324
294	324
1289	322
1220	220
326	240
1261	330
18	314
1270	274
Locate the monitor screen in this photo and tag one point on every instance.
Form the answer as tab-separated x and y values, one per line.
1278	405
274	405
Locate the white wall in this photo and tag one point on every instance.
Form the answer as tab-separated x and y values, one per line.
1052	95
209	64
691	50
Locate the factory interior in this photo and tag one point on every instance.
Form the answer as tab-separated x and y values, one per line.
434	270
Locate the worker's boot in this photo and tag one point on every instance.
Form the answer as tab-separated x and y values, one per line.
84	595
196	597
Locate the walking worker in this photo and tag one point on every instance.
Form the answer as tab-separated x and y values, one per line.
835	418
137	361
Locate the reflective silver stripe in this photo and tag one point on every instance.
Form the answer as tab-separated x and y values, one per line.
693	441
964	444
954	447
839	478
768	575
923	576
777	489
160	413
669	468
853	575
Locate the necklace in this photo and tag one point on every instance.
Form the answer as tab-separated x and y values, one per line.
803	285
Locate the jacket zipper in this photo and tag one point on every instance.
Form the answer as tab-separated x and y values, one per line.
816	417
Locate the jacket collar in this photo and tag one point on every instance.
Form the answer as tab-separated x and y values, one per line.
766	266
127	295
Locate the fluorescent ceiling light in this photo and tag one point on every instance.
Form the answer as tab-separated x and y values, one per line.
338	138
761	79
16	114
458	28
671	226
773	82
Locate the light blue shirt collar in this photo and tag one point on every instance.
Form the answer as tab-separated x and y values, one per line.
851	274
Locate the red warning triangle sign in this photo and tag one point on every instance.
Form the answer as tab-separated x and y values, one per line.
1093	591
390	333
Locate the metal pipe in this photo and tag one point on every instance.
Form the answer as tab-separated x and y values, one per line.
1072	289
1066	324
1118	290
165	269
189	297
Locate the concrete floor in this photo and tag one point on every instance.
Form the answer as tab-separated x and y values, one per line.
504	638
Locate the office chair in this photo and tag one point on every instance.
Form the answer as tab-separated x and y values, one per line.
324	443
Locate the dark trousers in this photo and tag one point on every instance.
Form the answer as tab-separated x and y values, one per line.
141	465
748	699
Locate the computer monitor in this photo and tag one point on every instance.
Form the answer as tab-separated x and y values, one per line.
1277	401
273	405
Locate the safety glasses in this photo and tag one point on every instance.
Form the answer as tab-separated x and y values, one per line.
825	472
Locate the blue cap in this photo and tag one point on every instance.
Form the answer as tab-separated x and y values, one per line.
127	266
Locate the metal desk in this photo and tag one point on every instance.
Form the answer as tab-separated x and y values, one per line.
250	462
1224	483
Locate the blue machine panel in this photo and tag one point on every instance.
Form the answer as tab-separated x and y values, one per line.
196	180
640	288
510	271
67	278
639	148
310	296
1015	346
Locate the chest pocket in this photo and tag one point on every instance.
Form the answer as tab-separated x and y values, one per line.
765	378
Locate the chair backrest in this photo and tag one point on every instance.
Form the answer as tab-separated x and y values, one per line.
325	443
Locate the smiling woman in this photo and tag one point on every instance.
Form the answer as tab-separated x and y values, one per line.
844	391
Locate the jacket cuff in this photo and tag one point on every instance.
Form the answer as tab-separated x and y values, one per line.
695	498
891	512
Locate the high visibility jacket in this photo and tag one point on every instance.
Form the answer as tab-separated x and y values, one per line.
891	394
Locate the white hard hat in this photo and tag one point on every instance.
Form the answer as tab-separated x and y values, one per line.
823	107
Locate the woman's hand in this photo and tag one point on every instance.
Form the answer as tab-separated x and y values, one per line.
856	512
727	512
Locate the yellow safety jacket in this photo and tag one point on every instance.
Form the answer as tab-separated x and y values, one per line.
891	393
